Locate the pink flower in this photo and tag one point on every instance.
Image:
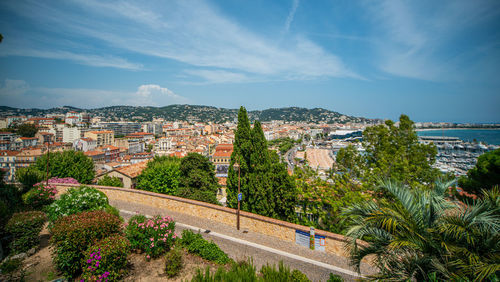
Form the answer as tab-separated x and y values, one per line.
148	257
151	239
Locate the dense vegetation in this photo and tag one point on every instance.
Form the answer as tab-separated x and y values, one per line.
68	164
484	175
191	177
197	113
266	187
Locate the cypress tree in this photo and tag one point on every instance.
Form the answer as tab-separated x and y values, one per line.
265	184
241	154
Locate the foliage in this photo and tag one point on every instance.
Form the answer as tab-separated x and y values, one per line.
153	236
265	184
335	278
173	262
241	271
195	244
68	164
73	234
107	259
110	181
40	196
25	227
422	232
283	144
29	176
322	201
197	179
392	152
245	271
10	266
26	130
283	273
161	176
484	175
65	180
76	200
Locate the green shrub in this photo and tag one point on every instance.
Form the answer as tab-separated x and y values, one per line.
25	228
107	259
29	176
40	195
195	244
245	271
298	276
110	181
173	262
283	273
73	234
153	236
335	278
241	271
76	200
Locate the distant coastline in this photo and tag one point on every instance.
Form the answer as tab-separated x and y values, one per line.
457	128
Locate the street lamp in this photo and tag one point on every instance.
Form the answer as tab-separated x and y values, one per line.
236	165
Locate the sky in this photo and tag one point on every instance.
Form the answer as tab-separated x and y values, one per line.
431	60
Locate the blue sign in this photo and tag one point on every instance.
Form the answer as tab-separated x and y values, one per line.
240	197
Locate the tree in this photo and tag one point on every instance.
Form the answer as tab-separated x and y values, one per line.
484	175
348	160
68	164
110	181
422	234
392	152
321	201
265	184
162	175
26	130
29	176
197	179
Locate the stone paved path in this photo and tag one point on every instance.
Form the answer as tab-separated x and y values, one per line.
296	257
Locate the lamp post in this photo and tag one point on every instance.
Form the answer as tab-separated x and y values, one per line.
236	165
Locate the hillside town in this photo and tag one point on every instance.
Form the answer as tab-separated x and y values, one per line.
122	148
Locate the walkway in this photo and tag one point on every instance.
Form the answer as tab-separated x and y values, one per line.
241	245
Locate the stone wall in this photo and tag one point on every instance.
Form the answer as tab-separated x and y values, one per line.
253	222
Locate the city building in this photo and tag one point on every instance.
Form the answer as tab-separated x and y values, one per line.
70	134
102	137
221	158
8	164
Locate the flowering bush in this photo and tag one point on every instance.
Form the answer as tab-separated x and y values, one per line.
65	180
107	259
195	244
153	236
76	200
25	227
40	195
73	234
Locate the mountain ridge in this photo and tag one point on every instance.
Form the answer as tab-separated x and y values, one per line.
196	113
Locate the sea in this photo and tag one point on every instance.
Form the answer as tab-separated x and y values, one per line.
488	136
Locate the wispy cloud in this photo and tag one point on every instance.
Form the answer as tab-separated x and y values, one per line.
191	32
291	15
18	93
416	40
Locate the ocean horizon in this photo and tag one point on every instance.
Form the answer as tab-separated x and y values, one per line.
488	136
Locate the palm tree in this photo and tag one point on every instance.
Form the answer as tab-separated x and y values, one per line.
471	236
420	233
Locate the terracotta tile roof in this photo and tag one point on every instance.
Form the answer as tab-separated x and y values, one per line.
108	147
29	138
9	153
88	139
141	133
93	153
222	181
133	170
222	154
101	131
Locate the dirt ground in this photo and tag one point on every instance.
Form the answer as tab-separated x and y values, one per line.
39	267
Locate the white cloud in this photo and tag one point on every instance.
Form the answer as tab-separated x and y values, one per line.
191	32
218	76
18	93
414	39
291	15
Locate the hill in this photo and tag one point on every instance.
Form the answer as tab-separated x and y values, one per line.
196	113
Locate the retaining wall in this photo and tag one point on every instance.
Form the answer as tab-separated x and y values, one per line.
334	243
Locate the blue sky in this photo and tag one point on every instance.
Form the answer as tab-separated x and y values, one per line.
432	60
